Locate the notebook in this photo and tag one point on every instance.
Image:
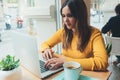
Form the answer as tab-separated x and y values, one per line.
25	48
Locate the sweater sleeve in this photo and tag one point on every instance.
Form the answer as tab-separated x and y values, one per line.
107	26
99	60
52	41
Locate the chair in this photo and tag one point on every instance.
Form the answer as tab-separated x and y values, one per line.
115	41
114	67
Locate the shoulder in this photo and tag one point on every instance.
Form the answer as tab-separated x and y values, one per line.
61	30
95	32
115	17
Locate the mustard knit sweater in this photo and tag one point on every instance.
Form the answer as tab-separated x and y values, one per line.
93	58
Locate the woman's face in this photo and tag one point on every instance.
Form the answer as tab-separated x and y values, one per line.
68	18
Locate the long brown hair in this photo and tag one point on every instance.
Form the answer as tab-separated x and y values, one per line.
79	11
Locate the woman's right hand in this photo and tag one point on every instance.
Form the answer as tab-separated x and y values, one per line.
47	54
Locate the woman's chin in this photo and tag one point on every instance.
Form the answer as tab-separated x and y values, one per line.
69	27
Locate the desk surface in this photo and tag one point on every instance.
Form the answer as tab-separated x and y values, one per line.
100	75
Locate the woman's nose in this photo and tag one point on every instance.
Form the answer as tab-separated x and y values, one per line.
65	19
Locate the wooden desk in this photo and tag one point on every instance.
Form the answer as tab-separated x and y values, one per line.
100	75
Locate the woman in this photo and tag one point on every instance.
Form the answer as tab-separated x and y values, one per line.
80	42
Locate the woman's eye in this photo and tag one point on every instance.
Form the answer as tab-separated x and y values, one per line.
69	15
63	15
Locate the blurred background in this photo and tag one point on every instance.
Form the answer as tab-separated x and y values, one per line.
41	18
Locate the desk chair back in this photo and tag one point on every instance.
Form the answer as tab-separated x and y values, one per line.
115	41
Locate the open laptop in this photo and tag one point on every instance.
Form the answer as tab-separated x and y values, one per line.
25	48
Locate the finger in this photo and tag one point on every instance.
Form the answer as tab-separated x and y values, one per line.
43	55
47	56
56	66
50	53
49	62
53	67
46	63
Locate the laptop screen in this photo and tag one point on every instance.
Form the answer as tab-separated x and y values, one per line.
25	47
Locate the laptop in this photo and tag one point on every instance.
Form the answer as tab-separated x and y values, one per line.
26	49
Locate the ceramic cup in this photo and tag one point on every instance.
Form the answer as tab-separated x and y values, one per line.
15	74
72	70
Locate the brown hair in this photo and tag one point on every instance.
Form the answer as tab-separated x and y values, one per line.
79	11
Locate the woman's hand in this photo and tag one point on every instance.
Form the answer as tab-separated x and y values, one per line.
47	54
55	62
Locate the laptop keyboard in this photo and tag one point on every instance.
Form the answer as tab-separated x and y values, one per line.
43	69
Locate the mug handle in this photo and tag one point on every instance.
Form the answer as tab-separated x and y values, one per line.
80	69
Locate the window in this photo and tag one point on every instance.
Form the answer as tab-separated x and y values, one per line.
31	3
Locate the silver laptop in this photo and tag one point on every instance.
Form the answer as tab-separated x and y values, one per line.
25	48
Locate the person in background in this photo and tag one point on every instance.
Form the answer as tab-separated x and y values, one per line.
80	41
8	22
19	22
113	25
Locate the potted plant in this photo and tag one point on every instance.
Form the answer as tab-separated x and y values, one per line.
109	48
10	68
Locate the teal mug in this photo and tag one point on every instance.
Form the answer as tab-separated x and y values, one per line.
72	70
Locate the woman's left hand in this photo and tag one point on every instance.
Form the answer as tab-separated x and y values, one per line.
55	63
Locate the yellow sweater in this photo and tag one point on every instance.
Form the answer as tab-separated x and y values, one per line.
93	58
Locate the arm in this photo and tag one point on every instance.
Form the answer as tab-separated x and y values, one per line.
107	27
99	60
46	50
93	58
52	41
109	33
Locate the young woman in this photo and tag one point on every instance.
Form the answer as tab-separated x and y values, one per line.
80	42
